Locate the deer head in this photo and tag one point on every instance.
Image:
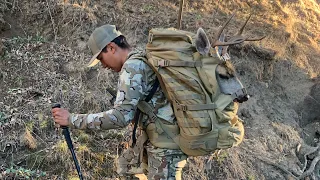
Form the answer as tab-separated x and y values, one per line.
225	72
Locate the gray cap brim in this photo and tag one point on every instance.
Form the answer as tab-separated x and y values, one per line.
94	61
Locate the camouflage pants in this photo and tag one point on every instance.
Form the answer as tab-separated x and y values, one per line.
150	162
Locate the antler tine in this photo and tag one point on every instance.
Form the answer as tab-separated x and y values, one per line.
247	38
221	39
244	25
256	39
215	40
238	38
224	26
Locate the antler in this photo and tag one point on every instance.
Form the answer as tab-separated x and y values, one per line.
238	38
216	41
246	38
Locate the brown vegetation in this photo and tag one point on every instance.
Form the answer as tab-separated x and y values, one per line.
42	56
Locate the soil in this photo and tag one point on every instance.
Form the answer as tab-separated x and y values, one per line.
43	54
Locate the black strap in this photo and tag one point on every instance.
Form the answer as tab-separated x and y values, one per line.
138	111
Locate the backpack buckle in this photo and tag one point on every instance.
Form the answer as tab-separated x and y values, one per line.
151	115
182	107
225	57
153	118
163	63
150	38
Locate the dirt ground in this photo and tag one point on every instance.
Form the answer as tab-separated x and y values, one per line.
43	53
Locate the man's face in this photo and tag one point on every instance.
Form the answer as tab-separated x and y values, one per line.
110	59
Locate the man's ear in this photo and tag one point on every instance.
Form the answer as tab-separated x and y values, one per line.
113	47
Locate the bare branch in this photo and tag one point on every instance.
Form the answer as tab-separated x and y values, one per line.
180	13
312	166
313	163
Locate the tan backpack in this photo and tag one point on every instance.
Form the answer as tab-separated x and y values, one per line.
206	117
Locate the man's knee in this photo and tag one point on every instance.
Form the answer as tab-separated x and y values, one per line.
166	164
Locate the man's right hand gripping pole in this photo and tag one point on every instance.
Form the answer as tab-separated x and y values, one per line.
59	118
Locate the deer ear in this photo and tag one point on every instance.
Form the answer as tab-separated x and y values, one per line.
202	42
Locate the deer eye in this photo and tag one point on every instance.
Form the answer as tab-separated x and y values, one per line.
224	76
222	72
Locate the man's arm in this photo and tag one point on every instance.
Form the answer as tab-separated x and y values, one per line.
132	86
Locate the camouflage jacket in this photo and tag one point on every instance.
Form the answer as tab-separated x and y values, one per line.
135	81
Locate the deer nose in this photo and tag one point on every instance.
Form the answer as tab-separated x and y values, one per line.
241	96
241	99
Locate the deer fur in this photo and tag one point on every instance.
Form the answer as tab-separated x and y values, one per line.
202	42
225	71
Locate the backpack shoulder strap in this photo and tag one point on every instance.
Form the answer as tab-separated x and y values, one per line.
138	111
145	58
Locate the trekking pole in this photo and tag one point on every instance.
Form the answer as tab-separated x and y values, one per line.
66	133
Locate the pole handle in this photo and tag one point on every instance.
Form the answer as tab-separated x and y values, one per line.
59	106
56	106
66	133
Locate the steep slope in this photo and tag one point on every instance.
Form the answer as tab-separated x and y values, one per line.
43	57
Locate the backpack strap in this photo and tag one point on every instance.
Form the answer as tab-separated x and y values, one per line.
147	109
197	107
145	58
166	63
138	111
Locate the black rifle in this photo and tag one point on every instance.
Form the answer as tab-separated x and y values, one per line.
66	133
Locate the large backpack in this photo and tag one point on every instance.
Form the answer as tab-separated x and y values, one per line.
206	117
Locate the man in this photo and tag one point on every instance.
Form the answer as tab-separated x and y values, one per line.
136	80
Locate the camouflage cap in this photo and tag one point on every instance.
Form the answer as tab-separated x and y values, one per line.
100	37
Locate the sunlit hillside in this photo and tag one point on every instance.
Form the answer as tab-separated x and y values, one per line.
43	54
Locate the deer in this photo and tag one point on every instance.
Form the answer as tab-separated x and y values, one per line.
225	71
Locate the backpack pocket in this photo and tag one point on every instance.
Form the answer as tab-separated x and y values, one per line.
159	138
228	113
230	136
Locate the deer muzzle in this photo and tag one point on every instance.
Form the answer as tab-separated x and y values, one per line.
241	96
232	86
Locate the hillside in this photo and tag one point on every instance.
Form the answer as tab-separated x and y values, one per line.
43	54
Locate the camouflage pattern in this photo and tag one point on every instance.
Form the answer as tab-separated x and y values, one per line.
133	160
165	163
135	82
143	161
152	163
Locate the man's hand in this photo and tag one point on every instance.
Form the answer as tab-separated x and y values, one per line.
61	116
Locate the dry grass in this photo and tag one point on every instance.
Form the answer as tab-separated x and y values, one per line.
48	66
32	86
28	140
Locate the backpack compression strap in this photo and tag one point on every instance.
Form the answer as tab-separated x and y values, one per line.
147	109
